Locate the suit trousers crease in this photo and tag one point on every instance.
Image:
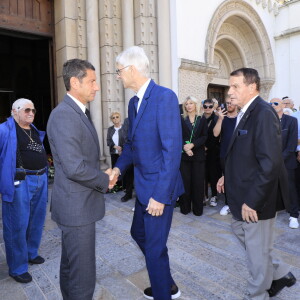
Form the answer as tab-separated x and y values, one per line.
192	173
263	264
151	235
78	262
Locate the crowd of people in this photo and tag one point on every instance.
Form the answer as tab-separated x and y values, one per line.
246	148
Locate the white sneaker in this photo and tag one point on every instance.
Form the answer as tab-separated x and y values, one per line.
213	201
225	210
294	223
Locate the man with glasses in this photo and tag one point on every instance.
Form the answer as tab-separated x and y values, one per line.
288	103
23	185
224	129
154	147
212	146
289	134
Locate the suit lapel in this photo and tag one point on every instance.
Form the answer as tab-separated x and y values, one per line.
142	106
84	119
242	122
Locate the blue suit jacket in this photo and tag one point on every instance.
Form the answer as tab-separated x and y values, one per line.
154	146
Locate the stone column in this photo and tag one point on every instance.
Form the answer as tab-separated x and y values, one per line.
128	39
164	43
93	54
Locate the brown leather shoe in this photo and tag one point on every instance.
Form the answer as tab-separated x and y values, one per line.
279	284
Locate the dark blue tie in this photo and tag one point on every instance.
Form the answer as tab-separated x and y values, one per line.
135	102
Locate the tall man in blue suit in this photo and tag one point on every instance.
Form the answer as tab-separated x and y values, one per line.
154	148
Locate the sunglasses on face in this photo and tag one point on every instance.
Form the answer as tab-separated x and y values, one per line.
207	106
28	110
118	71
274	103
115	117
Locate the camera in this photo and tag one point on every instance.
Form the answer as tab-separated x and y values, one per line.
223	106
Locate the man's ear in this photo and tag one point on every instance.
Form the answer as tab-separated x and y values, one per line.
74	82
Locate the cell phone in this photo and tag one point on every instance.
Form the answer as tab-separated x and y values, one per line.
223	106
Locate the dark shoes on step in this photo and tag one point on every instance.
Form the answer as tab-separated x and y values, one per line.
126	198
37	261
279	284
22	278
175	292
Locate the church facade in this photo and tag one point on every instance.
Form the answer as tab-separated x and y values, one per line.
192	46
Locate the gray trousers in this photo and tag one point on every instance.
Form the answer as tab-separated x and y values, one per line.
264	267
78	262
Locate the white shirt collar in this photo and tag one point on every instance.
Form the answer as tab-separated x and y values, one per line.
81	105
248	104
141	92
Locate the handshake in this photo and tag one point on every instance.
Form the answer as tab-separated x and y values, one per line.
113	176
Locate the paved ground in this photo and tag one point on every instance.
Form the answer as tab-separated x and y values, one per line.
206	260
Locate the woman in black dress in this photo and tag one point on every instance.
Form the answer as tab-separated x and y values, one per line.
194	133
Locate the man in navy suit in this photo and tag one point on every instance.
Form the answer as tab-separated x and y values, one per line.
154	148
256	184
289	133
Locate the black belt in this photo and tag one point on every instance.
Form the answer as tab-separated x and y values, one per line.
36	172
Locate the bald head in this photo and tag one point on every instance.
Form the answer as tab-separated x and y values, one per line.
277	104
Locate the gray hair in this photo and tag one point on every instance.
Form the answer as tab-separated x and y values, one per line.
19	104
134	56
193	99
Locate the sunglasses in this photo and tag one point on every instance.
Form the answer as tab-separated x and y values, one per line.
28	110
115	117
118	71
207	106
274	103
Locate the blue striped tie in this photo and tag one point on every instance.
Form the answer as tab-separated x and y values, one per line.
135	102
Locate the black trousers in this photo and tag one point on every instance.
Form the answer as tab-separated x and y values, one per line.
298	183
212	173
294	205
192	173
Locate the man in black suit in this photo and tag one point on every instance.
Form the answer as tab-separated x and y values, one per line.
256	184
289	133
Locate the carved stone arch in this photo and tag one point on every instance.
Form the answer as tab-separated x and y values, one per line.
236	22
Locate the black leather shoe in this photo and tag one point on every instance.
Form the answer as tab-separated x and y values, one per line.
175	292
23	278
126	198
37	261
277	285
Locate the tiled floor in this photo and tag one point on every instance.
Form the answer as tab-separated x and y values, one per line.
206	260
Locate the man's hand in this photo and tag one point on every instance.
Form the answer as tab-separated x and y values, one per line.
112	178
221	113
249	214
220	185
155	208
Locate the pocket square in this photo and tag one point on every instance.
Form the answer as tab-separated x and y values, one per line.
242	132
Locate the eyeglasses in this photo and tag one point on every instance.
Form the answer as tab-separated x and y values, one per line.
28	110
115	117
118	71
229	103
207	106
274	103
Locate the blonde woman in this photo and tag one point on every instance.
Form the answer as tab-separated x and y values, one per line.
194	133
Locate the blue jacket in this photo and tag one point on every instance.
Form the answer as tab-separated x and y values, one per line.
154	146
8	150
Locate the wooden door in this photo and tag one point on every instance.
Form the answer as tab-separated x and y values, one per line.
30	16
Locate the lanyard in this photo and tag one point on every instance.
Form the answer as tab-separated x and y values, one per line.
193	129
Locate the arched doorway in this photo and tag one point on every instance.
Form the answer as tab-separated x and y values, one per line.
237	38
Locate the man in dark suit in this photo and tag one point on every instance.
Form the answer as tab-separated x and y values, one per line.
77	196
154	148
289	133
256	184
